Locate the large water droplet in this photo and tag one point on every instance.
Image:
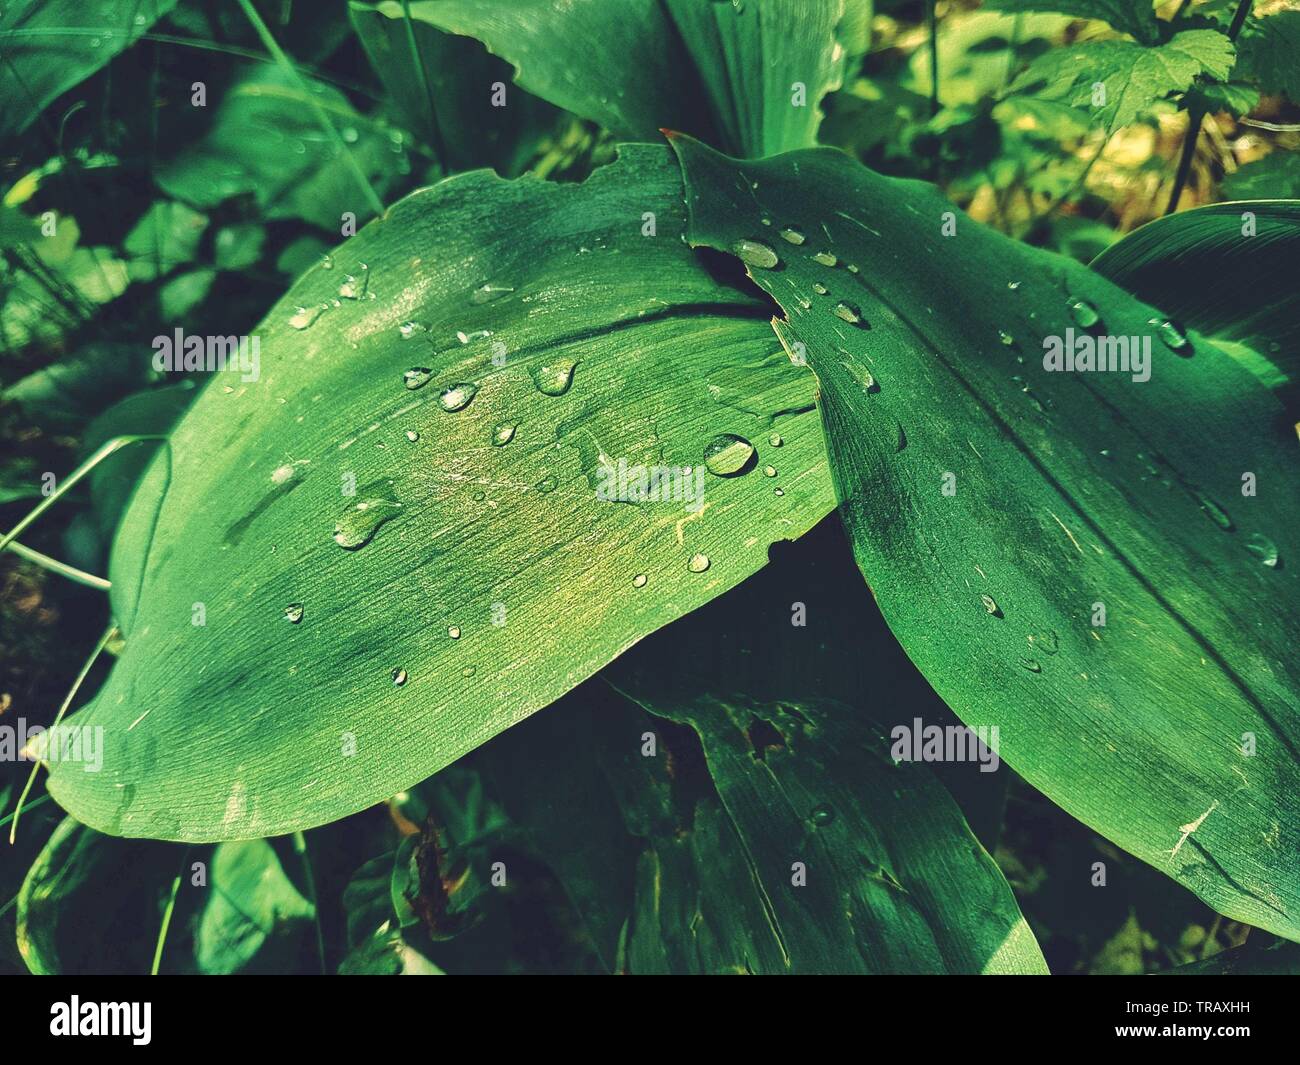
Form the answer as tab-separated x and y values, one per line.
991	606
457	397
848	313
755	253
1215	512
416	377
1084	313
502	435
362	520
698	563
793	235
727	455
546	485
639	581
306	316
293	612
488	292
825	258
1172	334
399	677
354	285
1263	548
554	379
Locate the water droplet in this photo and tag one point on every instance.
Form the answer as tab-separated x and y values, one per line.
327	261
727	455
793	235
354	285
779	492
1047	642
412	435
1215	512
361	521
848	313
1031	664
820	289
755	253
639	580
294	613
825	258
769	471
306	316
991	605
822	814
468	672
775	440
488	292
416	377
1263	548
409	329
454	632
698	563
1013	285
851	268
554	379
1006	338
546	485
502	435
399	677
1173	335
1084	313
457	397
468	338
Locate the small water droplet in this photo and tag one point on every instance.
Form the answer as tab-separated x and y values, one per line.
769	471
327	261
848	313
502	435
698	563
554	379
399	677
1031	664
822	814
1173	335
639	580
727	455
362	520
779	491
793	235
468	672
546	485
1084	313
1215	512
991	606
412	435
486	293
1047	642
306	316
1264	549
454	632
457	397
851	268
416	377
755	253
354	286
409	329
775	440
1013	285
825	258
820	289
1006	338
294	613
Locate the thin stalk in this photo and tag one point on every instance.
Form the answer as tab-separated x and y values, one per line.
90	580
435	130
167	917
1195	119
933	20
105	450
109	633
309	878
286	64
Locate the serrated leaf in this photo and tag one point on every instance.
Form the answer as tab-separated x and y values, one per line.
500	577
1173	728
1270	50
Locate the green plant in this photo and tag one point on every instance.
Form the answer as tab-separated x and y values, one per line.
489	608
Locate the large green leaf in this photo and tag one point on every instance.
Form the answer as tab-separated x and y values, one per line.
494	575
639	65
48	46
994	506
1228	271
1135	17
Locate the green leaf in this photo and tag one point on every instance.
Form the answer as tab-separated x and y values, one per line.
641	65
816	853
1276	176
609	347
1236	98
254	920
376	944
1270	52
1172	729
51	45
1136	77
264	140
443	92
1277	959
1134	17
166	237
1228	271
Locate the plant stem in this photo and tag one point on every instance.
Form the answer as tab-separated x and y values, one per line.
167	917
435	131
90	580
286	64
1196	118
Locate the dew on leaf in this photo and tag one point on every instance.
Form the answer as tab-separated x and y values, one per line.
848	312
698	563
486	293
825	258
1173	335
399	677
554	379
1084	313
1264	549
293	613
755	253
359	523
416	377
457	397
793	235
503	434
727	455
